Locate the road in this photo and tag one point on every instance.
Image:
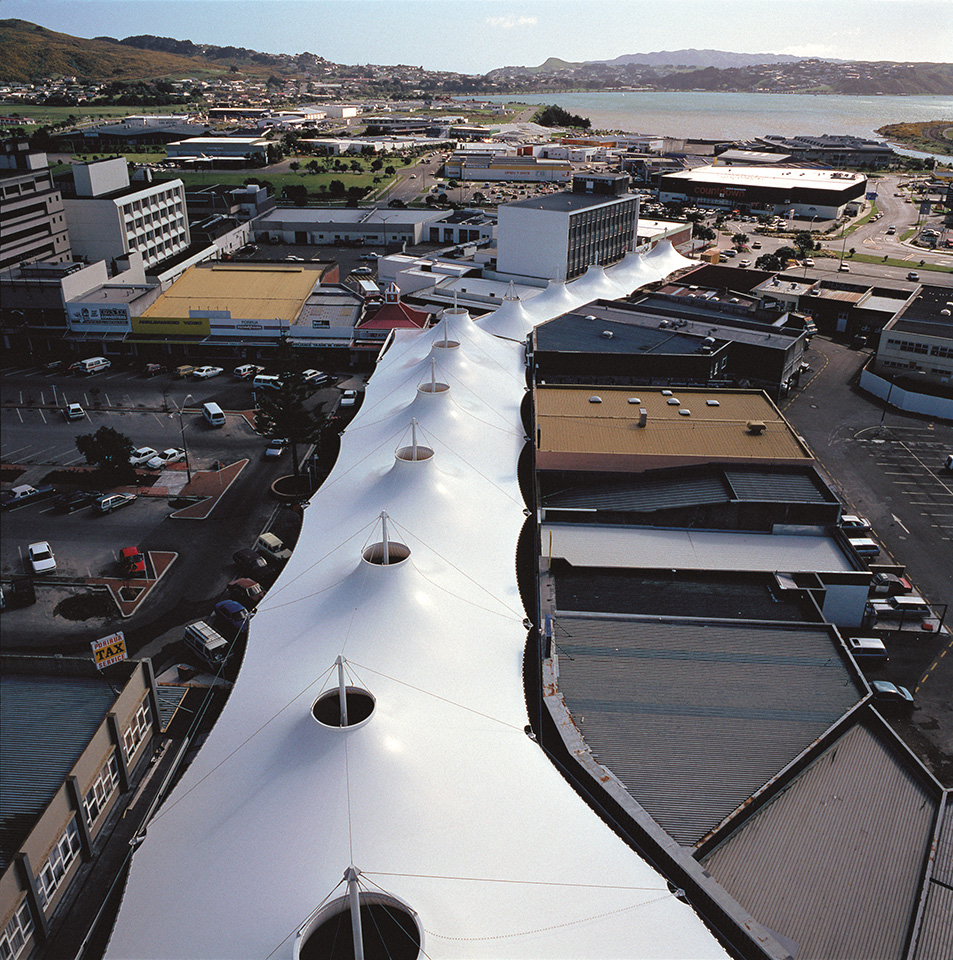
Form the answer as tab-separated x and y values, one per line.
888	466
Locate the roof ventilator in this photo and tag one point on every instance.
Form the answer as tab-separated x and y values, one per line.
445	343
433	386
756	427
347	706
387	552
415	452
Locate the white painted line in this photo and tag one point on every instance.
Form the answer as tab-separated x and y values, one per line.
905	530
20	415
42	415
42	399
109	402
70	463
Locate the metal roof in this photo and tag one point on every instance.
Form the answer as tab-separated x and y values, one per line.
694	717
773	487
935	940
835	861
598	545
45	725
574	333
646	496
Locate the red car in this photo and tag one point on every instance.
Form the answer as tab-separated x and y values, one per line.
132	561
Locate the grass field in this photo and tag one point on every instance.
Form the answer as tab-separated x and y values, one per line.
312	182
42	114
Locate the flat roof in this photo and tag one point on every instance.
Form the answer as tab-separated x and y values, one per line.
712	316
834	862
922	315
566	202
599	545
393	218
754	176
716	430
273	290
694	717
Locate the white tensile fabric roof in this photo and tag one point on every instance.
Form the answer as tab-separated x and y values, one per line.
633	272
666	259
439	798
595	284
510	319
555	300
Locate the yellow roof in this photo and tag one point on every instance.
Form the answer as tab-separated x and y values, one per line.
246	290
574	431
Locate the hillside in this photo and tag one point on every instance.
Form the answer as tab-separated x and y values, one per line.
700	58
29	51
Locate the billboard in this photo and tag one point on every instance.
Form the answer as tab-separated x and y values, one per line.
98	317
171	326
109	650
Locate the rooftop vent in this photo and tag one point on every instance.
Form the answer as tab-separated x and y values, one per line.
595	399
415	452
666	393
387	552
685	412
634	400
433	385
712	403
673	401
756	427
590	317
643	417
607	334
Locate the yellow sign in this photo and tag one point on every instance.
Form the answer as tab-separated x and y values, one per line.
109	650
171	326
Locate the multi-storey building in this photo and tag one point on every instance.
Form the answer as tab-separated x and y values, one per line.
32	219
109	218
558	236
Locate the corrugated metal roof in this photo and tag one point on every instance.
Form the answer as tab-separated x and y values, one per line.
570	423
695	717
935	941
170	699
602	545
773	487
642	497
835	861
45	724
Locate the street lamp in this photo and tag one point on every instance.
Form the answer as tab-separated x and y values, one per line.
185	447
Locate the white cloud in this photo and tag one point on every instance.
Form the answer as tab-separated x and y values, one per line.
508	23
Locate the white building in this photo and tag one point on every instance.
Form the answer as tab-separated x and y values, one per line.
213	148
109	219
558	236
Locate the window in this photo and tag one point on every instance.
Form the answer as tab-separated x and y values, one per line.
102	789
61	857
136	731
16	933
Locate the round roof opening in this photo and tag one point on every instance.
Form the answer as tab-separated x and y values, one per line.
393	554
447	344
414	454
433	387
390	931
360	705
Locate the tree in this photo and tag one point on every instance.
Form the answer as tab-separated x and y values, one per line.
768	261
336	188
294	166
282	413
390	170
704	233
377	164
804	241
739	240
109	450
786	253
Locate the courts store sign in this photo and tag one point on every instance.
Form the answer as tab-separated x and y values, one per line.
98	318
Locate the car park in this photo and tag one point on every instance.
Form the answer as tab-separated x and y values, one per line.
132	562
206	373
41	557
112	501
76	500
160	460
142	455
74	411
250	561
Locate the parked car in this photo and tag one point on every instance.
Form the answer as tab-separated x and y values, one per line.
183	371
362	271
231	617
250	561
891	696
142	455
315	377
275	448
913	275
246	591
41	557
844	268
152	369
348	398
24	493
864	546
271	548
808	261
171	455
744	263
112	501
74	411
132	561
899	607
206	373
889	585
68	502
871	649
852	521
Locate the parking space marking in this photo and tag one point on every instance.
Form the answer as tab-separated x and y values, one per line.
43	416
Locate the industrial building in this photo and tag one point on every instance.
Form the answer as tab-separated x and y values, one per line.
788	191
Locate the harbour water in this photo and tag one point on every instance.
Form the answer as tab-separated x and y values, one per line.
741	115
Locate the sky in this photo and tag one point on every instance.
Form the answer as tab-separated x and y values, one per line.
475	36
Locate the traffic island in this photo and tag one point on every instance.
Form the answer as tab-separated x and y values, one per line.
129	593
211	486
292	489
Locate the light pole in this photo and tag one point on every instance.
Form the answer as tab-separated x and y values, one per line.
185	447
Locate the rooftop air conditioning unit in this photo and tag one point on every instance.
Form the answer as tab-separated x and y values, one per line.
607	334
756	427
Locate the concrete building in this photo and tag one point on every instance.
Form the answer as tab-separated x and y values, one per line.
108	218
493	166
918	341
73	750
217	148
558	236
32	216
842	150
824	194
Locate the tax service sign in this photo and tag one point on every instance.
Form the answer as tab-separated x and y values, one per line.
109	650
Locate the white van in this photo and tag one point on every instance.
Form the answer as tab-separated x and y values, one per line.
93	365
266	381
206	643
867	648
214	415
245	371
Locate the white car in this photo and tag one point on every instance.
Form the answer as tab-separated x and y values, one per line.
41	557
852	521
172	455
75	412
142	455
348	398
205	373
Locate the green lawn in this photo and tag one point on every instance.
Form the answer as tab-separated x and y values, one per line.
312	182
42	114
155	156
911	264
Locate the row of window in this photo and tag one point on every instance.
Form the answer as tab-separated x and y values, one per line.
912	346
16	933
101	790
64	852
